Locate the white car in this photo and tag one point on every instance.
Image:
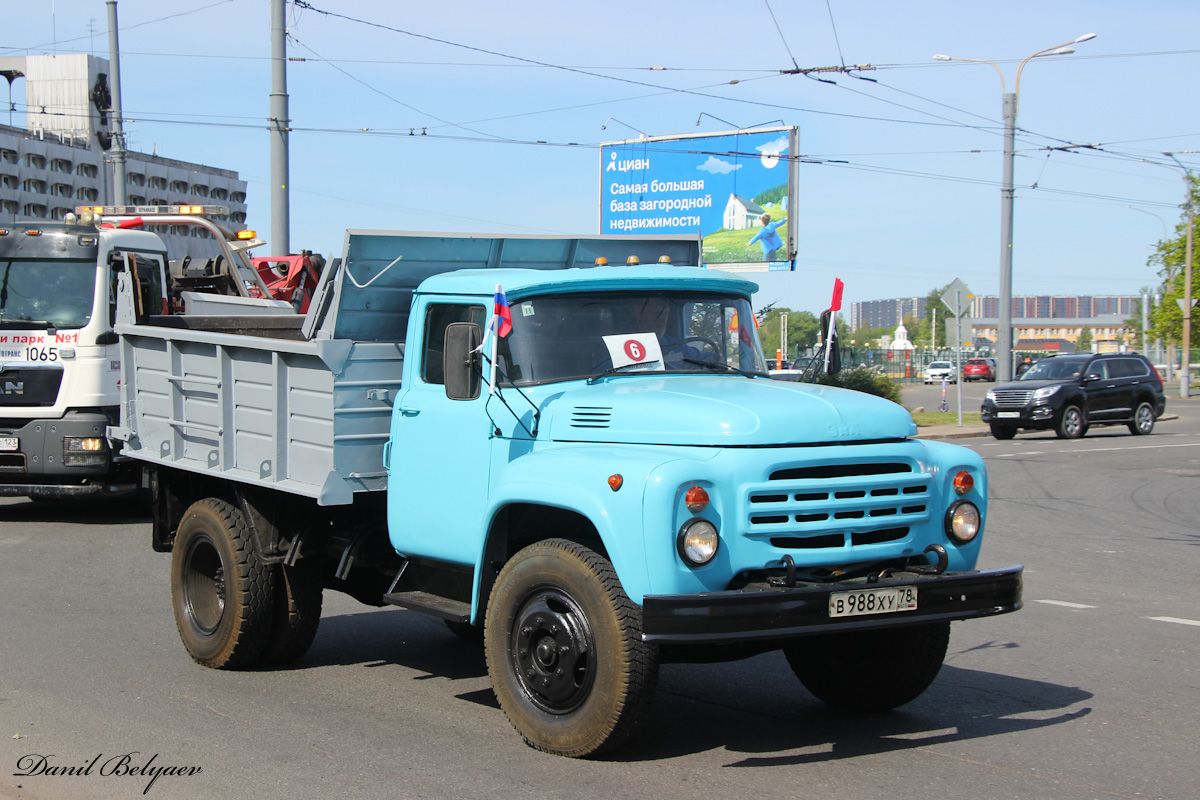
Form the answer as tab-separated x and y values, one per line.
937	371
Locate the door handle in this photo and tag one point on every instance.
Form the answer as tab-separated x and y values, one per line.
409	412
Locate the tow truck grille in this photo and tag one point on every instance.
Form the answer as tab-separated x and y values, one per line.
839	505
29	387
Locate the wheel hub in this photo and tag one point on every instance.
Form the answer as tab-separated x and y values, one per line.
552	650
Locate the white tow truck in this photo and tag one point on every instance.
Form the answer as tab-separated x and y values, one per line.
59	359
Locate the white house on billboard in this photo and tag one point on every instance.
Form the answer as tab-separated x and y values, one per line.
741	214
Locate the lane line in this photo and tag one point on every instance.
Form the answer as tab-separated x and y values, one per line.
1063	603
1177	620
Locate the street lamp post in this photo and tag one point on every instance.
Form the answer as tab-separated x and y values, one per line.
1004	338
1185	357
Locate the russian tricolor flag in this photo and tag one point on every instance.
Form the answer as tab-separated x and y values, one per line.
503	320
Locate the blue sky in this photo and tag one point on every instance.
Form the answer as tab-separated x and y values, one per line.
512	98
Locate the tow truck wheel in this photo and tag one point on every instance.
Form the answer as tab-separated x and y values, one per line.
872	670
565	652
221	592
297	600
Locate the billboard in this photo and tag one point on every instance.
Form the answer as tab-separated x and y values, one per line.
734	188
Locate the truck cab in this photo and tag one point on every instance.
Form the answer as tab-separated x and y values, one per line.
59	360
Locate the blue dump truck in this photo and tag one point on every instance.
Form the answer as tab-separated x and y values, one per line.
590	470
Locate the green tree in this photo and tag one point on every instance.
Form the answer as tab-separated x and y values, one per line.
1083	343
1166	321
802	330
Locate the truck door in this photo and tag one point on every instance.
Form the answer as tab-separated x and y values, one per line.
438	465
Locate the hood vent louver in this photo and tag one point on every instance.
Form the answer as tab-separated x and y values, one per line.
591	417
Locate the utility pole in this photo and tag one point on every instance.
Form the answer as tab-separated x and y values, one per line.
280	124
1185	356
118	142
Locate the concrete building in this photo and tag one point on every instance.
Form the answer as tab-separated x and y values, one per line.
60	159
1036	319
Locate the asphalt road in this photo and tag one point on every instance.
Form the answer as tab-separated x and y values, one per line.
1088	692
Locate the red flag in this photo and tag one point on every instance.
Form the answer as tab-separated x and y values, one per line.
836	305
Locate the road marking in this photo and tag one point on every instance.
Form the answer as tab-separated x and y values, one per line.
1091	450
1177	620
1063	603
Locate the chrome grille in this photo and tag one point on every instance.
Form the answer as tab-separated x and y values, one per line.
1012	398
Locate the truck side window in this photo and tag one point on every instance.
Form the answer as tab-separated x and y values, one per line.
437	318
146	272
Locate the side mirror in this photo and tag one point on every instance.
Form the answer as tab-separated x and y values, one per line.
108	337
460	360
1091	376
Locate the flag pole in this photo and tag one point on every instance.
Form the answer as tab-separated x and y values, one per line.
495	342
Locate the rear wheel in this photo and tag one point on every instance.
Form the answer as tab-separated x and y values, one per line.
1072	424
565	651
1143	420
222	593
297	614
873	670
1003	431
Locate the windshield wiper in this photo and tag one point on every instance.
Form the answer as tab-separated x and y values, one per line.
624	368
723	367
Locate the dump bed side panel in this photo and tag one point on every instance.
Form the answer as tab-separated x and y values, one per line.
308	418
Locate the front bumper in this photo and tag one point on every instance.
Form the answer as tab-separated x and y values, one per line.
763	612
1030	416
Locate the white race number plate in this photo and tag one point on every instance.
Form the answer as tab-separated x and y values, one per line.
8	443
873	601
1008	414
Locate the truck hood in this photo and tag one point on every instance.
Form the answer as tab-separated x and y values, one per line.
719	411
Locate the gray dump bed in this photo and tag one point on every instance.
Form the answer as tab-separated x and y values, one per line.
303	403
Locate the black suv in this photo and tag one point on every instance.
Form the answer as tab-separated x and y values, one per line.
1070	393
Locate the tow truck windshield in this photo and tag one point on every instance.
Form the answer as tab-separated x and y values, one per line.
571	336
46	293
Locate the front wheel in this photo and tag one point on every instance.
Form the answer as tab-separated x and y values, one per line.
565	652
1143	420
872	670
1003	431
222	593
1072	424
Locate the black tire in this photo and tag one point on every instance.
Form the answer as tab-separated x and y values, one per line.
297	600
565	651
1004	431
1072	424
872	670
221	591
1143	420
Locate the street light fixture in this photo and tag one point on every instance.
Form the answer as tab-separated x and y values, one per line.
1004	338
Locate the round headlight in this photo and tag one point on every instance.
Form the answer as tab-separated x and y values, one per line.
962	521
698	542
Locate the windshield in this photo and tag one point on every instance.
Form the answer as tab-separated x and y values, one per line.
46	293
564	336
1053	369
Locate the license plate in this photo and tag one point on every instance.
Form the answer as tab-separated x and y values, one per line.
873	601
1008	414
8	443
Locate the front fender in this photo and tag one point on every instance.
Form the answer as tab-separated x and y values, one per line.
576	478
